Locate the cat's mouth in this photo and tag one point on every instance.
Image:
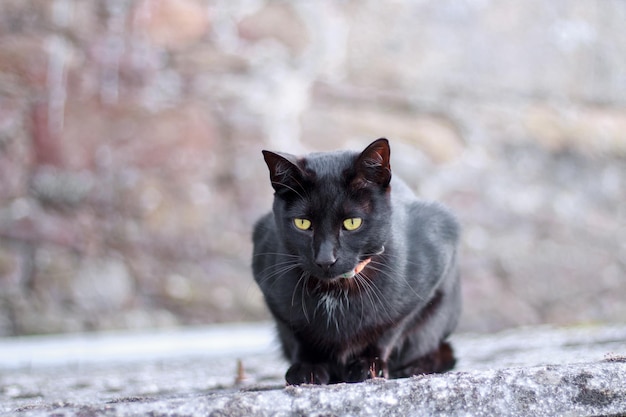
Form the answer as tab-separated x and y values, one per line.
360	266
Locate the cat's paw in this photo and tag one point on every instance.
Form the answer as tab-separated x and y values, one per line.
307	373
356	371
378	368
362	369
438	361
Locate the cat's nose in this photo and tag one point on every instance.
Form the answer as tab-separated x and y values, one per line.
325	257
325	265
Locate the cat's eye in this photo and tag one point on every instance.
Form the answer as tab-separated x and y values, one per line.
352	223
302	224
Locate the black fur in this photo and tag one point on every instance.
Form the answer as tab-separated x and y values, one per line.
391	319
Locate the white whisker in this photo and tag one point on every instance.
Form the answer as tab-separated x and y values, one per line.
393	275
376	292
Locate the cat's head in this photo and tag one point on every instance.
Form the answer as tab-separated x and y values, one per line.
332	209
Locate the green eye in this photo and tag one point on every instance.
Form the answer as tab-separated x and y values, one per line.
353	223
302	224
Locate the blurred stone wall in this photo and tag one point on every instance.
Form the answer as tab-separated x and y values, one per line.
130	138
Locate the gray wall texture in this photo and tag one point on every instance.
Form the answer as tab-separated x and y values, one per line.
130	138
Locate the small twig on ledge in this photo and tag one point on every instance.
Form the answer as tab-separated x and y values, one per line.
241	375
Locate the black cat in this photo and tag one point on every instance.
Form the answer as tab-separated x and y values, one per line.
360	275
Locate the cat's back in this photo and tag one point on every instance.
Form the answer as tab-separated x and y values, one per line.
263	228
264	239
425	238
421	218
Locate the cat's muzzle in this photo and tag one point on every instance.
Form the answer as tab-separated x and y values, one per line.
356	270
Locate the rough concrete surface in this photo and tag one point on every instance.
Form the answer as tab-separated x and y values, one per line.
236	371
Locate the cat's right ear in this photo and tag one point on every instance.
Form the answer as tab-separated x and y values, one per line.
373	165
285	174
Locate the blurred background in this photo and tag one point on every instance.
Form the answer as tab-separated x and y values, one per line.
131	134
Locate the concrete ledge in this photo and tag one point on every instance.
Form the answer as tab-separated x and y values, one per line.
583	389
534	371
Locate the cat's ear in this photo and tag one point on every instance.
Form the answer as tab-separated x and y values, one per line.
285	174
372	166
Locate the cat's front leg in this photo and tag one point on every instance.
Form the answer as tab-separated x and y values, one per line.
308	373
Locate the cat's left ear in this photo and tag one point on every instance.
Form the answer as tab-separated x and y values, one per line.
373	164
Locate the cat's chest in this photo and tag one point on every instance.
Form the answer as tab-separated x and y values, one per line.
339	314
333	308
342	325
